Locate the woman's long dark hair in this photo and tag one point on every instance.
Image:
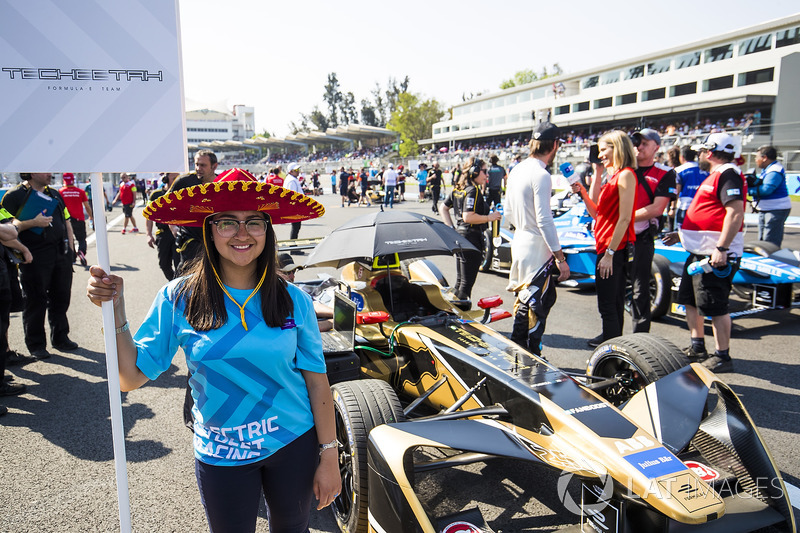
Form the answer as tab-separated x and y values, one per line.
205	300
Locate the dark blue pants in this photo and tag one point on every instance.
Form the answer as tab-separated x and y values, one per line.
231	494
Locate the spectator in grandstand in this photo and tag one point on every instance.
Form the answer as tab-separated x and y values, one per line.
689	176
614	233
389	184
771	196
76	201
472	217
655	190
435	182
535	245
422	180
713	229
293	184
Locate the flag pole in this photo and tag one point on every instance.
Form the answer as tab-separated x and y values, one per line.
112	365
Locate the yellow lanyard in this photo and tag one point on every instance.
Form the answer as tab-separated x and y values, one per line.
241	307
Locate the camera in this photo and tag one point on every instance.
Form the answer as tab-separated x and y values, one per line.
753	181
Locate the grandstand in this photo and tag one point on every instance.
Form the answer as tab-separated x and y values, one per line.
349	145
743	81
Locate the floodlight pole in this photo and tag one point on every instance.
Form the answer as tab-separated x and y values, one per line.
112	364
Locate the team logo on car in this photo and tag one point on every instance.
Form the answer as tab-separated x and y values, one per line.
461	527
706	473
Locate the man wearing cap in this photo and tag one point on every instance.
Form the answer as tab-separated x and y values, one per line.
188	240
389	183
76	201
287	269
293	184
41	218
713	229
535	243
656	188
772	196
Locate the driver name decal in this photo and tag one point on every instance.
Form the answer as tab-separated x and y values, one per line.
655	463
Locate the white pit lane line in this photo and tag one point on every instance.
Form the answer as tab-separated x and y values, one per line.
91	238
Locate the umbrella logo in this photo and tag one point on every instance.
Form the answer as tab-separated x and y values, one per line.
407	242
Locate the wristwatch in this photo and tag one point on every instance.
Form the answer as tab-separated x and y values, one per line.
722	249
332	444
610	252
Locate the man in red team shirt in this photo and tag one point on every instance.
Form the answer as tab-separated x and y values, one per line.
713	228
76	201
127	195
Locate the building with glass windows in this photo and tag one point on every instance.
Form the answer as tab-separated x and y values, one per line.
750	72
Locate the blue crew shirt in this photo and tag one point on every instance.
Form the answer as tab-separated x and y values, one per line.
250	397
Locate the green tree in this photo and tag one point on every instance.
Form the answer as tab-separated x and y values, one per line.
369	115
264	134
319	119
527	75
413	119
347	109
333	97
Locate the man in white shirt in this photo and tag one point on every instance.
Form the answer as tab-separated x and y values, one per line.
291	182
389	183
535	245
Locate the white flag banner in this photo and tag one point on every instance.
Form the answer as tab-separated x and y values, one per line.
91	86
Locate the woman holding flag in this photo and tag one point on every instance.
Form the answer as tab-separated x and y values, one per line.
263	412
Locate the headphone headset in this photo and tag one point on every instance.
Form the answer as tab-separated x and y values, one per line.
477	166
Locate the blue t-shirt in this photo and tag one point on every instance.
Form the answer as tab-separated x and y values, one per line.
422	177
250	398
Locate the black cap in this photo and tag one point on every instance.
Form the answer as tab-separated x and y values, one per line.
547	131
286	263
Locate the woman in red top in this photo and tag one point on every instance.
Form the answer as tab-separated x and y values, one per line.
613	216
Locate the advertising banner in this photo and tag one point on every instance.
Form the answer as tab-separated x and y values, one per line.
91	86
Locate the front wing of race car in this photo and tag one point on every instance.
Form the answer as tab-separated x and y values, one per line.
665	462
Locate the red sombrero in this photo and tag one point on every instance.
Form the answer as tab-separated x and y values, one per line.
233	190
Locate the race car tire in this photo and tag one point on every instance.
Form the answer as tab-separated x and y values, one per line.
359	407
639	359
660	287
762	248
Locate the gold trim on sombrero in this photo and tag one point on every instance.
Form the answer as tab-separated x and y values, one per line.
282	204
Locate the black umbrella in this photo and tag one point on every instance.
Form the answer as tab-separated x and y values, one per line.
382	233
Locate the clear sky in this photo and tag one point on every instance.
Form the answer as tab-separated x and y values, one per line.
276	55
